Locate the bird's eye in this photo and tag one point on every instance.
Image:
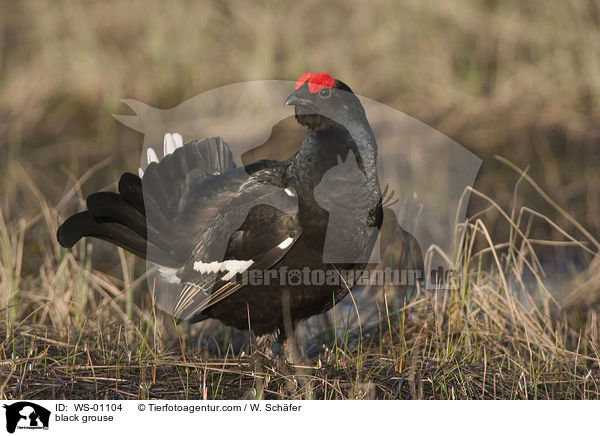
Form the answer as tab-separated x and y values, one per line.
324	92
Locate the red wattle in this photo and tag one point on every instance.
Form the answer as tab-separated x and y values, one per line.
319	81
303	78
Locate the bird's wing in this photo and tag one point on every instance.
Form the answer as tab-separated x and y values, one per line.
256	229
212	282
182	192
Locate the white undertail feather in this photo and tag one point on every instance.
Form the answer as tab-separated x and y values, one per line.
168	144
178	140
151	155
171	142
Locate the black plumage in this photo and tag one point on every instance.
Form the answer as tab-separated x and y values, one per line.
209	224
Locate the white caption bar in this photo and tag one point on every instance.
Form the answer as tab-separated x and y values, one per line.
157	417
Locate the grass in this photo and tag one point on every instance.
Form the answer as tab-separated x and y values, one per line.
73	332
514	79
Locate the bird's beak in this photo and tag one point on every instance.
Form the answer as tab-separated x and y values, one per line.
294	100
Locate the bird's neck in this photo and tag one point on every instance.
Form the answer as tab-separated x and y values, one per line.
322	148
340	166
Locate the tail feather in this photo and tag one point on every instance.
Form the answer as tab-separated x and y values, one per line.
110	205
165	181
211	155
130	187
84	225
140	218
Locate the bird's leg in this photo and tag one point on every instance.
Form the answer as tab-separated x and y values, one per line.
300	376
287	338
264	344
289	364
290	350
259	361
280	345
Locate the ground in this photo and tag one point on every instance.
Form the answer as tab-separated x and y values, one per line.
514	82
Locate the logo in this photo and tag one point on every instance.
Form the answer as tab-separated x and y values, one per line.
421	177
26	415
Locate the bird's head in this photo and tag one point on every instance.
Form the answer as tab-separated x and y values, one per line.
320	100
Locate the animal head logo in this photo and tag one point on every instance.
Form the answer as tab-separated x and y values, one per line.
25	414
427	171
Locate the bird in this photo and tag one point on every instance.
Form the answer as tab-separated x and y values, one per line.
212	226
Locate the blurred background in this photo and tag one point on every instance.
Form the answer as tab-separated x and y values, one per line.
506	79
510	78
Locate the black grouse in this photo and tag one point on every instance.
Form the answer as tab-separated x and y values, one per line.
261	246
